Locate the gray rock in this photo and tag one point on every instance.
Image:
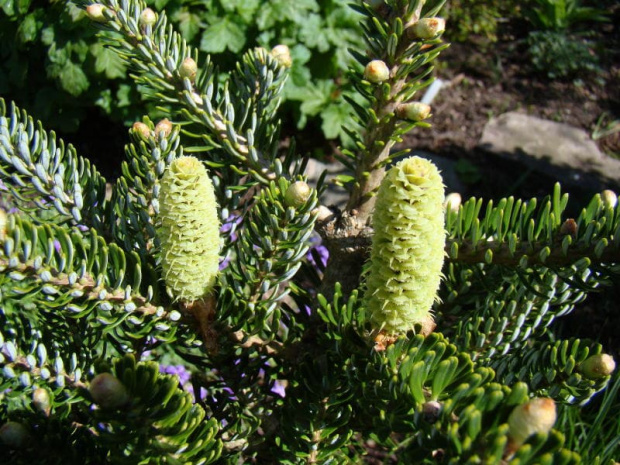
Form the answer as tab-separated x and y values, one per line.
559	150
333	195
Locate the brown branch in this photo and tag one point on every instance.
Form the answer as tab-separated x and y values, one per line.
86	284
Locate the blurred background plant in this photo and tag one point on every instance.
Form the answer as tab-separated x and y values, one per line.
49	46
468	18
561	46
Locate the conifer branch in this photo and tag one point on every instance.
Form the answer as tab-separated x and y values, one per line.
157	52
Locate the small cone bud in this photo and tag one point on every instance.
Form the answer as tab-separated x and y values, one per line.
3	223
282	54
95	12
142	130
609	197
414	111
188	69
13	435
536	416
453	201
108	392
41	400
147	17
597	366
297	194
163	128
431	411
376	71
569	228
427	28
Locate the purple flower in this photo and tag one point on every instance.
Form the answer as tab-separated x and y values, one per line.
179	370
229	227
320	250
279	388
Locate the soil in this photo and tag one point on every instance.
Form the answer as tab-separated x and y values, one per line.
485	80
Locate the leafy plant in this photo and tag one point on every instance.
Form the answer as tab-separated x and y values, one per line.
560	56
51	56
562	15
285	360
57	50
482	18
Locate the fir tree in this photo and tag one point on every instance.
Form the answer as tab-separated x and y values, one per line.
121	342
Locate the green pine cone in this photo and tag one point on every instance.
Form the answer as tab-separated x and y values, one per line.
407	248
188	230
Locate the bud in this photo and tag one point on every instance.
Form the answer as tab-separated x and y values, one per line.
297	194
597	366
147	17
609	197
407	251
13	435
108	392
188	230
4	219
376	71
41	400
569	228
431	411
414	111
282	54
95	12
427	28
188	69
163	128
142	130
536	416
453	201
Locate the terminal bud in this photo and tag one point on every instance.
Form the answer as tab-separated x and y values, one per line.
609	197
597	366
142	130
414	111
13	435
95	12
376	72
108	392
536	416
188	69
297	194
427	28
148	17
282	54
163	128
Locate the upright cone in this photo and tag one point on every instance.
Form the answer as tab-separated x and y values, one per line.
407	248
188	230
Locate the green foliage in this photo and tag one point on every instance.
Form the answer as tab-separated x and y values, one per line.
560	56
471	17
54	49
281	358
319	33
562	15
51	56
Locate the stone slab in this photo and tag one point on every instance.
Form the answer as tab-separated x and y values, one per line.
561	151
